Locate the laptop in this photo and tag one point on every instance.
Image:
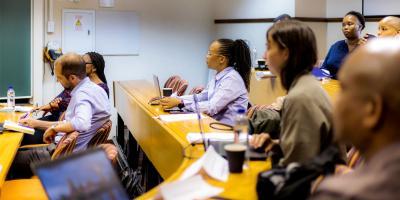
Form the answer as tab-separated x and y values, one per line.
84	175
156	100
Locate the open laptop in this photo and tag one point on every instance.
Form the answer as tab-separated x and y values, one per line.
84	175
156	81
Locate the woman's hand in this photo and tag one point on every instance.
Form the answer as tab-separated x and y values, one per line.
263	140
169	102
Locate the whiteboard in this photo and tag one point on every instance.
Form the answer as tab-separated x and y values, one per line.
381	7
117	33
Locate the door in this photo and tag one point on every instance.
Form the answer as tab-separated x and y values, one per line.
78	31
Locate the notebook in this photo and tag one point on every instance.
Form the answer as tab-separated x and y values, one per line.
10	125
84	175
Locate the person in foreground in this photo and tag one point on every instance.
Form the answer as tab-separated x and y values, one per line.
366	114
227	91
87	111
352	25
305	118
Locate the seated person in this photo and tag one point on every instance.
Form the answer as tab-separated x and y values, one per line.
87	111
352	25
305	117
94	70
366	115
389	27
227	91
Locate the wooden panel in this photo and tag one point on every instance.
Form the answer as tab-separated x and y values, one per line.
265	91
304	19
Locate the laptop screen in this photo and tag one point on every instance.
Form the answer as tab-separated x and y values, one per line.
86	175
157	85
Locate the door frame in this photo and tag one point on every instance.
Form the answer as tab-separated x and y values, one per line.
93	32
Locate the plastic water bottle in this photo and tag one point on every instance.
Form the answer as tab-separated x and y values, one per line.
241	125
254	57
11	97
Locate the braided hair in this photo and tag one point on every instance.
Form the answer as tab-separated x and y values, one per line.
99	64
238	54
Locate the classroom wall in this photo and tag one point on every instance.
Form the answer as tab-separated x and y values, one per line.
37	51
255	32
175	35
338	8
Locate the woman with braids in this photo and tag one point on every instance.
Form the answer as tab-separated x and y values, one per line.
95	71
305	120
227	91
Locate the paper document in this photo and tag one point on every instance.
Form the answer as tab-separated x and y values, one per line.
222	137
16	109
213	164
264	74
16	127
179	117
191	188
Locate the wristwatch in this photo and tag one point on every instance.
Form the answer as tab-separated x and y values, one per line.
54	127
181	105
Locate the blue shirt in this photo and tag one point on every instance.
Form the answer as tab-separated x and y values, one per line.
87	111
335	57
224	95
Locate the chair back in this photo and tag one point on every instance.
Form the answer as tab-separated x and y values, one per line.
171	81
181	87
66	145
101	135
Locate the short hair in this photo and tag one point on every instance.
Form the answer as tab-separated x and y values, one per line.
282	17
300	41
359	16
72	64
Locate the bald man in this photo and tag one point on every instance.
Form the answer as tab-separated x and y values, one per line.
366	114
87	111
389	27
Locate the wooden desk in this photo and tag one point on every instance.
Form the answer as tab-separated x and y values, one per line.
266	90
9	144
164	143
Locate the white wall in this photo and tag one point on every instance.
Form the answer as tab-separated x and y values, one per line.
338	8
37	48
253	32
175	36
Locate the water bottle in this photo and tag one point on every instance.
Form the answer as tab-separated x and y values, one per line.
241	124
11	97
240	128
254	57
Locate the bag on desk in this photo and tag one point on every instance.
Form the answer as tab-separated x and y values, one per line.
294	181
130	179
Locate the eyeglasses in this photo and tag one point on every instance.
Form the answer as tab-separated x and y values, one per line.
210	54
